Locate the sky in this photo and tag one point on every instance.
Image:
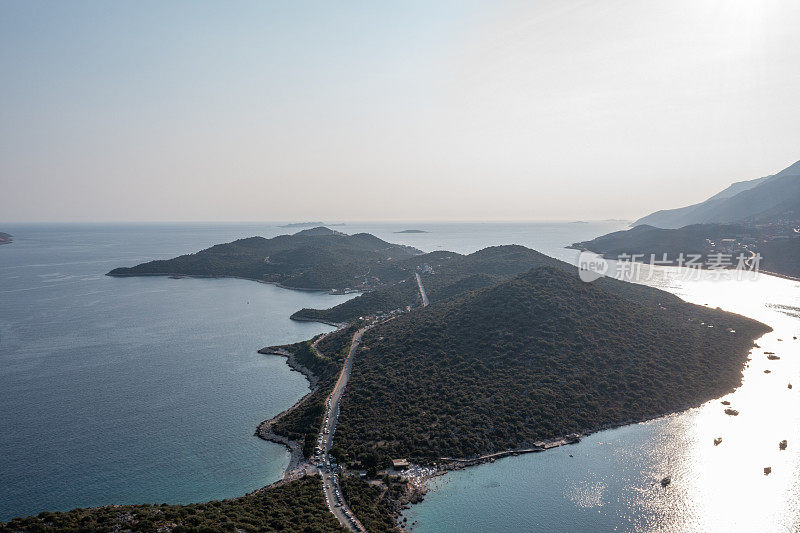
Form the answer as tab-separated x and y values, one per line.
414	110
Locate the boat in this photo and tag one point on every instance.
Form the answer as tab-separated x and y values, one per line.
717	441
725	402
773	357
782	444
666	481
789	386
767	470
732	412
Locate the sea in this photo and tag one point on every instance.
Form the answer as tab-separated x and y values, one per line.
131	390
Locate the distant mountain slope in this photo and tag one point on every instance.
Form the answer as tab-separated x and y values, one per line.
760	200
536	356
648	240
317	258
779	249
782	257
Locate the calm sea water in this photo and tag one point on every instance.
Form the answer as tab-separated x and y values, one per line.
130	390
611	480
148	389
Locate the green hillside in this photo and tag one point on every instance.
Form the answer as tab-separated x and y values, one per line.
448	274
317	258
534	357
297	506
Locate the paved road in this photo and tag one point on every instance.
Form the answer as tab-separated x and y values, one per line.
330	480
425	301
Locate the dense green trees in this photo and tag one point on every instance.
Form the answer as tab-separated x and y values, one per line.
296	506
535	357
318	258
375	504
302	423
452	274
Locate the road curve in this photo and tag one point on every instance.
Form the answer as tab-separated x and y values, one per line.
330	478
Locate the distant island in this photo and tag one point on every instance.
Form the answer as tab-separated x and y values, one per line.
312	259
411	231
302	225
5	238
509	353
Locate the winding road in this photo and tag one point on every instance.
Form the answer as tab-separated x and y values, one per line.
425	301
330	478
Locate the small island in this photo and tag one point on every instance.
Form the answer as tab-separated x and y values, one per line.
5	238
412	231
302	225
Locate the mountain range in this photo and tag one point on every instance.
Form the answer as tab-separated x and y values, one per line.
770	199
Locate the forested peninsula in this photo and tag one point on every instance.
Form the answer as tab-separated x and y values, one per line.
513	352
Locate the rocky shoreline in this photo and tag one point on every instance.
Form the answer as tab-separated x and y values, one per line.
177	275
416	490
301	318
295	365
264	429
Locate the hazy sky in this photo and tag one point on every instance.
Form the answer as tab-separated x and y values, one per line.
426	110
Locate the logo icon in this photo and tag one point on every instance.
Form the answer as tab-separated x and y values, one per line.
591	266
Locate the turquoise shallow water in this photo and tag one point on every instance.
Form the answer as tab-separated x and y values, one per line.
136	389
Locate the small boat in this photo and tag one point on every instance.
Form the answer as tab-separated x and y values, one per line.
666	481
789	386
717	441
732	412
767	470
782	444
725	402
773	357
767	371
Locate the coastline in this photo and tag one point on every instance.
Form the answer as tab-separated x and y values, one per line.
214	276
264	429
320	320
611	257
417	487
